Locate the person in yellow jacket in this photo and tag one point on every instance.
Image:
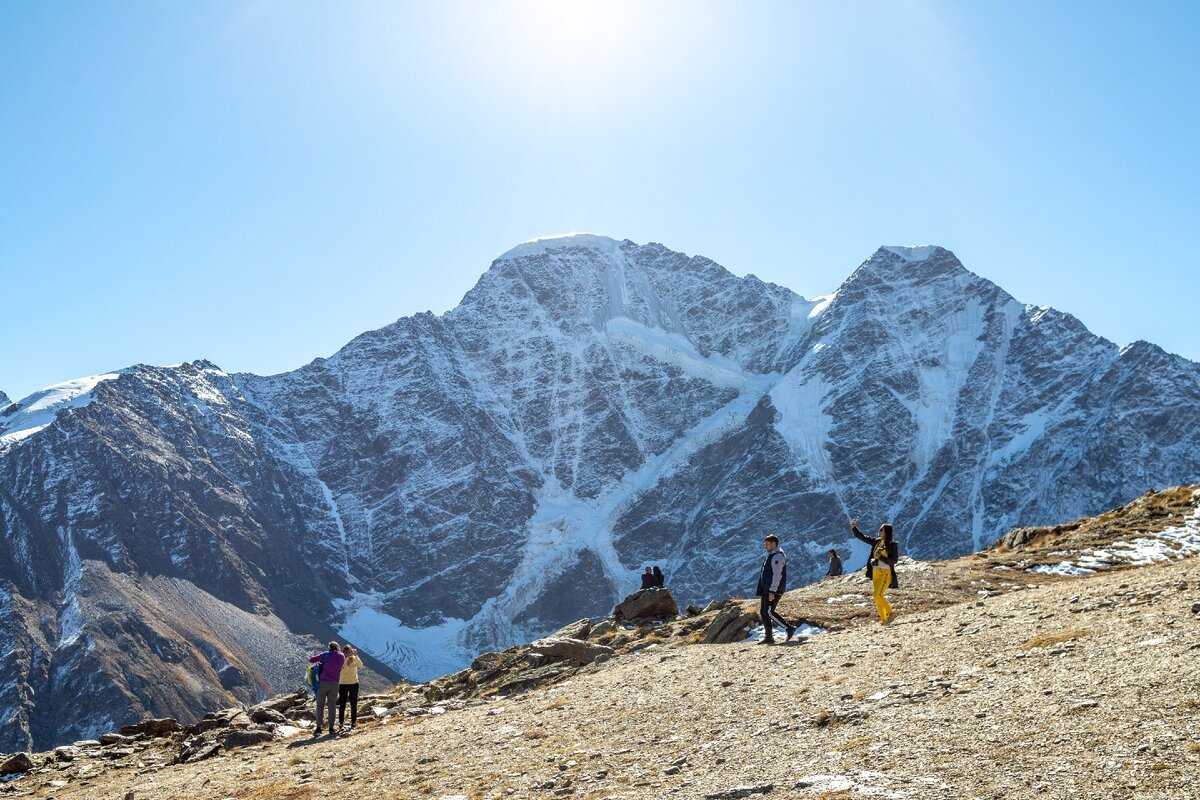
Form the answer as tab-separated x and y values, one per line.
881	566
348	688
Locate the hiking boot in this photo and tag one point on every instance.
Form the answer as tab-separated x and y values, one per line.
791	631
766	641
316	733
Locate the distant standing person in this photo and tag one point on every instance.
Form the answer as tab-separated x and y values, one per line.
660	580
835	564
348	688
772	583
881	566
647	579
327	689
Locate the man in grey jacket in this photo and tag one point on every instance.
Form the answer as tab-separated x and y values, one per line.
772	583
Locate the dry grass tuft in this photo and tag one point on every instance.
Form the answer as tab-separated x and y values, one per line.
853	743
1048	639
278	791
560	703
535	733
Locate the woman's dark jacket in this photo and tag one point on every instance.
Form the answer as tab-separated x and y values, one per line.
891	553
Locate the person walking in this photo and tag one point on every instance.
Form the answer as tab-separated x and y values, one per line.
648	579
835	565
881	566
660	580
348	689
331	662
772	583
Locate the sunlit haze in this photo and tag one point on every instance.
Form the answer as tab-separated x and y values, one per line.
256	183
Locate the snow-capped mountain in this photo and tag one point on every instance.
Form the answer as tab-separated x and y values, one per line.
454	483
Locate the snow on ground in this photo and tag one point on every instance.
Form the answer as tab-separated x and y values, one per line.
419	654
39	409
803	632
1166	545
859	783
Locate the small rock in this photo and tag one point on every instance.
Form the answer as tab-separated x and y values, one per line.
244	738
738	792
66	753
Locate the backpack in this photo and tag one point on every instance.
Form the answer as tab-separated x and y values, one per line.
312	677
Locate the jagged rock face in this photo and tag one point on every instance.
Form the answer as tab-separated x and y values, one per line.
456	483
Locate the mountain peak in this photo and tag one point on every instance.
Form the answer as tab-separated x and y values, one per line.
914	253
915	265
559	241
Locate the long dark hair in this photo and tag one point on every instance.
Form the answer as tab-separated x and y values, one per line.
657	572
886	529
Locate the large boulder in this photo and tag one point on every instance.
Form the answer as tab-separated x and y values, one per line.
560	647
537	676
264	715
603	627
17	762
198	749
576	630
731	625
646	604
152	727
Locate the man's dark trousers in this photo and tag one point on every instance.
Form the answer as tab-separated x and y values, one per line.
766	610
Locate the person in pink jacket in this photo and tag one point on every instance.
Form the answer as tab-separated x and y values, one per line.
331	661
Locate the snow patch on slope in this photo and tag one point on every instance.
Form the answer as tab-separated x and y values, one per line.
676	350
419	654
803	420
41	408
1173	543
942	381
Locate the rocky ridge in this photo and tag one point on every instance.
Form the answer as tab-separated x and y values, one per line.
1065	685
455	484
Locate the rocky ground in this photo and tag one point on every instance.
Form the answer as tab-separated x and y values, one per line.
995	681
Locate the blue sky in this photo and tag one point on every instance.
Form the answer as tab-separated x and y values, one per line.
256	183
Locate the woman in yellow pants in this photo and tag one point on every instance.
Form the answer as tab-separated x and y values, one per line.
881	566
